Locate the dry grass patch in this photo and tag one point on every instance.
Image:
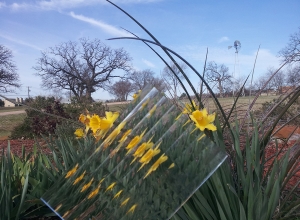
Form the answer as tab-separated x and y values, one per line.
9	122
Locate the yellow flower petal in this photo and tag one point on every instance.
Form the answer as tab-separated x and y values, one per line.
71	172
111	186
124	137
118	194
79	178
95	123
135	141
203	120
65	215
132	209
125	202
159	161
86	186
152	110
58	207
113	135
79	132
94	192
171	166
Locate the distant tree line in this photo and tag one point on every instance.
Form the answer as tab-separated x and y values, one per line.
84	67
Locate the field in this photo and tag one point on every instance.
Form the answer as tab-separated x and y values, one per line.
8	122
10	109
243	102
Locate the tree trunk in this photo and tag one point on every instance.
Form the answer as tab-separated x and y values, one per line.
220	88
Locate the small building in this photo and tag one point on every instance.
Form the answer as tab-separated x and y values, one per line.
13	102
9	103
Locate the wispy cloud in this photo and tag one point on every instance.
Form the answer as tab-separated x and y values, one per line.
2	4
148	63
65	4
221	55
20	42
223	39
104	26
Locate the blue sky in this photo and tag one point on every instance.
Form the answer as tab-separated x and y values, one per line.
186	26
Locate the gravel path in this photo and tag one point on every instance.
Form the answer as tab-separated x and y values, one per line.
12	112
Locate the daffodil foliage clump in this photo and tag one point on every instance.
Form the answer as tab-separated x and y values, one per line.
146	162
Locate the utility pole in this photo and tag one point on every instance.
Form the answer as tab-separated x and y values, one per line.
28	92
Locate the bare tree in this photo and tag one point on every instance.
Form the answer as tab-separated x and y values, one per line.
219	74
237	84
293	76
259	83
81	67
121	89
292	50
9	77
278	81
142	78
171	79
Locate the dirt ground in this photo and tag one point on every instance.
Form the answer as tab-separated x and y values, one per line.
12	112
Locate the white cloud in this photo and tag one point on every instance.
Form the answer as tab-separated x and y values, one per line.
20	42
2	4
195	54
148	63
66	4
223	39
105	27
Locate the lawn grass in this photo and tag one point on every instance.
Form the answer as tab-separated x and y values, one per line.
9	122
117	107
243	103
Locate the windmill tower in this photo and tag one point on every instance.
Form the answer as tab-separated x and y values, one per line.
237	46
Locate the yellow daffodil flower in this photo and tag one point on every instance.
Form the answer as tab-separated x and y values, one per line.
135	141
189	108
94	192
136	95
118	194
148	156
79	178
144	104
86	186
203	120
152	110
100	126
141	149
79	133
113	135
125	202
71	172
124	137
95	123
160	160
111	186
84	119
132	209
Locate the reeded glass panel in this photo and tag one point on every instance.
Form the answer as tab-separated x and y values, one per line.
145	167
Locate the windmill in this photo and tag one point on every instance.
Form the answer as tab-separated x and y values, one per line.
237	46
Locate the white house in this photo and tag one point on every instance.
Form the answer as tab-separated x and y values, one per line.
13	102
9	103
